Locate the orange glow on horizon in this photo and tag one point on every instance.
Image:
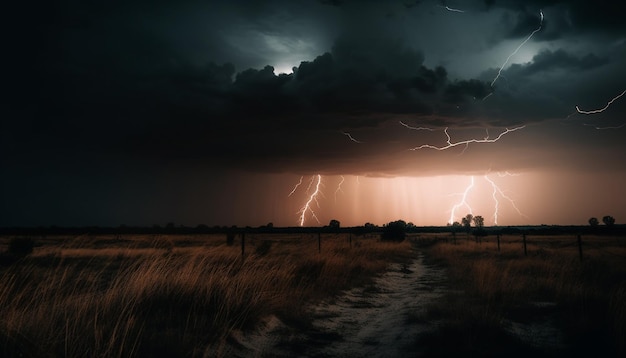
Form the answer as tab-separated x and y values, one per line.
425	201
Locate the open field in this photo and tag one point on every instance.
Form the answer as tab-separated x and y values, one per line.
546	302
135	295
187	295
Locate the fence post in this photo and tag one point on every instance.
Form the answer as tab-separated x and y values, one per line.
580	248
525	251
498	237
319	242
243	243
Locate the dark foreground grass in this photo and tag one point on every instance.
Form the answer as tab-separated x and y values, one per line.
493	291
168	296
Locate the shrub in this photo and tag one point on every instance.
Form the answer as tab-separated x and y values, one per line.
394	231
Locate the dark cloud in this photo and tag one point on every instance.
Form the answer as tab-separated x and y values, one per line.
559	60
524	23
129	99
563	17
158	80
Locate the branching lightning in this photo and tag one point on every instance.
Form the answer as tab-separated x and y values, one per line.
296	187
450	144
603	108
307	207
507	174
416	128
496	193
339	187
497	190
463	202
517	49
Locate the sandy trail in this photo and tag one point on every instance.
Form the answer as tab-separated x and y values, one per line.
378	320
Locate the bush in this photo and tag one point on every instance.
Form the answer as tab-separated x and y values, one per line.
21	246
394	231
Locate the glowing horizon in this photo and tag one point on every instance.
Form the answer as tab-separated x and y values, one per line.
425	201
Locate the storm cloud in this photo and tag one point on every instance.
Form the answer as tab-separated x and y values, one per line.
283	86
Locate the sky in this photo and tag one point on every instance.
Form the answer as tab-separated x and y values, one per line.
142	112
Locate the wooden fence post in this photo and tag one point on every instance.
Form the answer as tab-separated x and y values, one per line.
243	243
319	242
580	248
525	251
498	237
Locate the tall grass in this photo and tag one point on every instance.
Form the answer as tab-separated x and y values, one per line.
78	300
590	295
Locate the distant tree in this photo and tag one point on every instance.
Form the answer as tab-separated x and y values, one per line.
467	221
334	224
394	231
593	222
608	220
369	227
479	221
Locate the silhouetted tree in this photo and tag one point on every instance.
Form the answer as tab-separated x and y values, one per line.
467	221
608	220
479	221
593	222
334	224
369	227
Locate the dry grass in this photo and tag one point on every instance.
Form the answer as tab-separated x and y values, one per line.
590	295
168	296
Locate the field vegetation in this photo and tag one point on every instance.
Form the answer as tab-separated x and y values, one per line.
502	302
147	295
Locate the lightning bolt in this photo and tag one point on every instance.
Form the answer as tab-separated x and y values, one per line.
517	49
445	6
296	187
453	10
497	190
307	207
463	202
450	144
339	187
603	128
496	193
351	137
507	174
601	109
416	128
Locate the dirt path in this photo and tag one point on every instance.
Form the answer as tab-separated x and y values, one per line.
379	320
